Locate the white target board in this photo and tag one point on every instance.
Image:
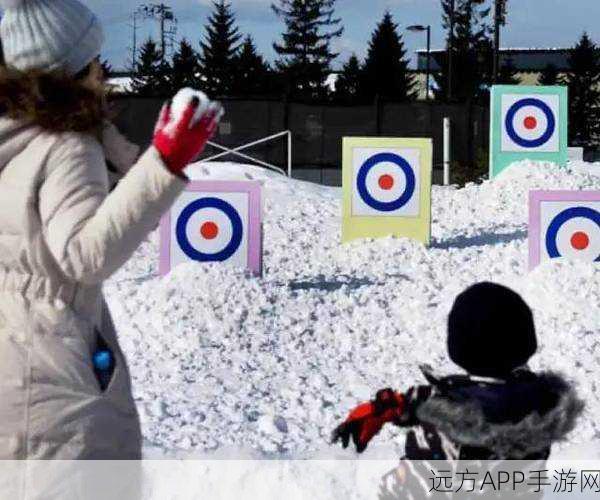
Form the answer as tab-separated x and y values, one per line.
213	222
564	224
387	182
531	123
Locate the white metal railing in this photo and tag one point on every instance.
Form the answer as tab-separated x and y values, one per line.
238	152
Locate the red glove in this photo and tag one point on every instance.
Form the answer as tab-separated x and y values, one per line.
367	419
181	142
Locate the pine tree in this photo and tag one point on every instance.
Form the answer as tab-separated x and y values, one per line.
185	68
151	76
350	80
219	50
583	80
253	74
549	76
305	50
472	51
386	67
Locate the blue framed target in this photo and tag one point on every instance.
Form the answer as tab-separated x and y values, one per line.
579	238
530	122
564	224
214	221
386	182
209	228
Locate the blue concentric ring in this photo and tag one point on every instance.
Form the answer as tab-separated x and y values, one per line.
530	143
562	218
230	212
405	197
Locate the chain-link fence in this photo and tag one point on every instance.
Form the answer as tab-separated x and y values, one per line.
318	130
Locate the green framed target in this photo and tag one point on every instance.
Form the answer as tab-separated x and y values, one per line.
528	123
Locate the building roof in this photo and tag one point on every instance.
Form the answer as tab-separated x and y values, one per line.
120	84
523	59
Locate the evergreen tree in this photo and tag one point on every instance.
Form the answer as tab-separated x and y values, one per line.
550	76
151	76
350	80
305	50
583	80
472	51
220	49
185	68
253	75
386	67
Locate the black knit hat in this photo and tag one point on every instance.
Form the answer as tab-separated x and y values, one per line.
490	331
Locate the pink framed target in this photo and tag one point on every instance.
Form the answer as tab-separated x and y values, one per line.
214	221
564	224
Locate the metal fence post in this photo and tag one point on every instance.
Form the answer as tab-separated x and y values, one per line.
290	154
447	151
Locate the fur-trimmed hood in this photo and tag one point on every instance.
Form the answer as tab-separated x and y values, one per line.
32	103
510	421
54	101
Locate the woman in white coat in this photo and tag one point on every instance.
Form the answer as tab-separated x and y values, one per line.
62	233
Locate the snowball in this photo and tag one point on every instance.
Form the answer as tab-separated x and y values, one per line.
182	100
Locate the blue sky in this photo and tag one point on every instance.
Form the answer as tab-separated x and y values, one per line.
532	23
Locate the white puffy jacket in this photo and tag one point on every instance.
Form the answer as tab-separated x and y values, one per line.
61	235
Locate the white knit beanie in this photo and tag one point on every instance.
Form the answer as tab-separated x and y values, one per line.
49	35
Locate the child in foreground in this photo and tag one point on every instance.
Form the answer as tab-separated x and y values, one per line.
499	410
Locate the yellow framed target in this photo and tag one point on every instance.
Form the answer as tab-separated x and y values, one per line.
386	188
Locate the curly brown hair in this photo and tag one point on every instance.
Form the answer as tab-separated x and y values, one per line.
55	101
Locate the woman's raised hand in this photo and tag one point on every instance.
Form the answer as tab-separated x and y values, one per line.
180	138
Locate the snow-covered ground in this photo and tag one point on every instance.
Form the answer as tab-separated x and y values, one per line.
227	365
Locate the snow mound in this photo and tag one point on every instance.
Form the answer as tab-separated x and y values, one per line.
222	360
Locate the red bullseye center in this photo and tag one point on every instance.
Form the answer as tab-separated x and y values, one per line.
530	122
580	240
386	182
209	230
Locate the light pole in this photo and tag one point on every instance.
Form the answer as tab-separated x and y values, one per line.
164	14
499	20
451	51
136	13
419	28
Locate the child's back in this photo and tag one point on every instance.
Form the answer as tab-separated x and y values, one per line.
472	418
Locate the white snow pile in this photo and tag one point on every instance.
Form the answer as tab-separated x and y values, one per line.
227	364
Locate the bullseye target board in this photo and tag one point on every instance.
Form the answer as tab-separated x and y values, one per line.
213	221
387	188
564	224
528	123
